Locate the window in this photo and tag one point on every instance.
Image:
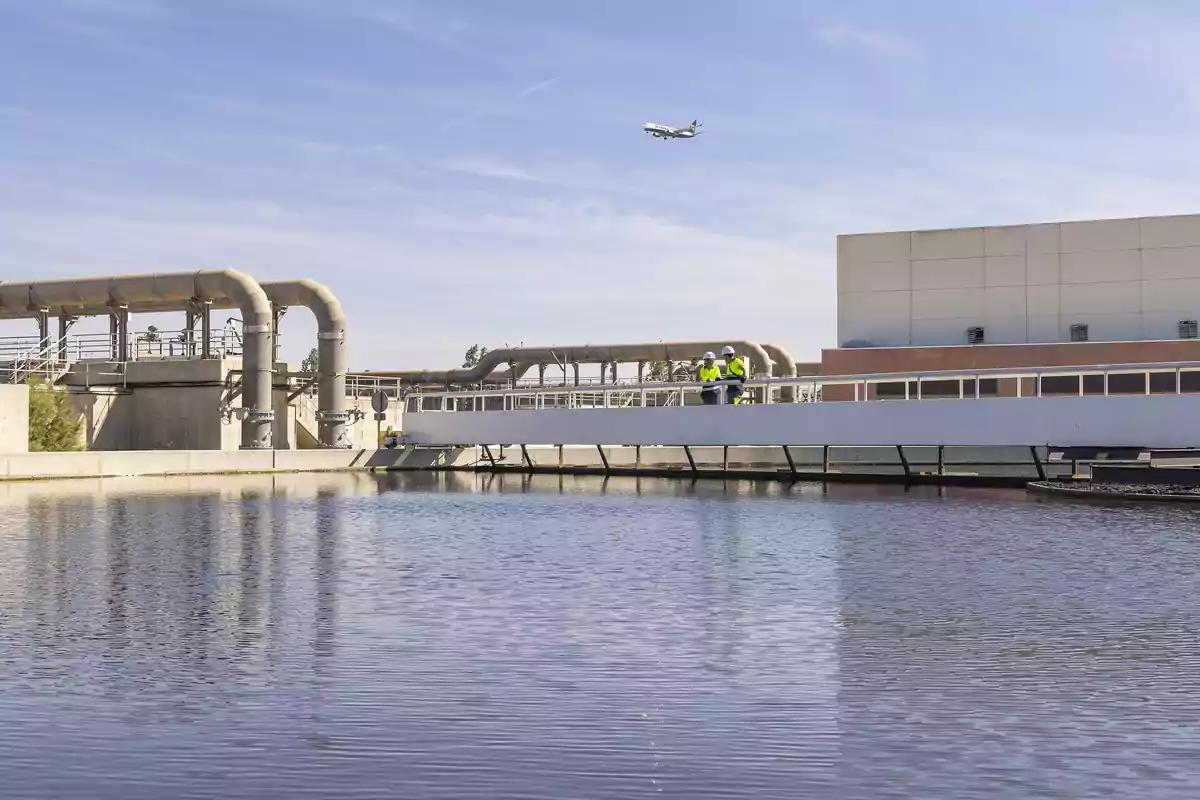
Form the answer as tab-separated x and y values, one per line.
975	335
1079	333
1187	329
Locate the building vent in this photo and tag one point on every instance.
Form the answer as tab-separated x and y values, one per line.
1079	333
975	335
1187	329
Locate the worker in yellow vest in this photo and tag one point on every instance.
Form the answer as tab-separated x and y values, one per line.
735	369
709	373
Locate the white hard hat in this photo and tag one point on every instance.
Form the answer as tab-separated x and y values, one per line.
709	355
727	350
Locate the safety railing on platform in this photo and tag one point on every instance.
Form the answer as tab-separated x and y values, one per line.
360	384
1105	379
146	344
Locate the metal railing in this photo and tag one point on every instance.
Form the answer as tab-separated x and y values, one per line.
361	384
25	356
1101	379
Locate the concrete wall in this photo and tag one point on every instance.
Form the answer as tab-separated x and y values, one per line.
362	434
183	462
156	418
14	418
1126	279
1161	421
167	405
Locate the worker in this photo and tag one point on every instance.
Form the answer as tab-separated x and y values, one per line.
735	369
709	373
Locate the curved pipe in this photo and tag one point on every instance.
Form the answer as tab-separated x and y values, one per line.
332	416
785	367
80	296
760	362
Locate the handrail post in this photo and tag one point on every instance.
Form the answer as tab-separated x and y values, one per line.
904	461
1037	462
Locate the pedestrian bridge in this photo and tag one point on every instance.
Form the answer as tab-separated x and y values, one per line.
1118	405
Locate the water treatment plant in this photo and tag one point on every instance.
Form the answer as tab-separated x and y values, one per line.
1043	344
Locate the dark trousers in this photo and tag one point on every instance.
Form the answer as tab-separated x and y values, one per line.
734	392
709	396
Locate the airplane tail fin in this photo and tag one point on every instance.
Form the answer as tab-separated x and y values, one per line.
696	124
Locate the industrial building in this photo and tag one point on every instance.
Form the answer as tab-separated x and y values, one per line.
1115	291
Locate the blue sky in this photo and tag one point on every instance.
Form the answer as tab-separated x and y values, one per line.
476	171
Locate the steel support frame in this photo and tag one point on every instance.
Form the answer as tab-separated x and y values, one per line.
1037	462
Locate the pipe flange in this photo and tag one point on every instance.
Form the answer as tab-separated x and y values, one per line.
333	417
257	415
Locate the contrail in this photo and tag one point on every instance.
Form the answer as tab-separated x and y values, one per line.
537	87
485	108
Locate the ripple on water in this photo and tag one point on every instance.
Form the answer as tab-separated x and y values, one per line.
455	638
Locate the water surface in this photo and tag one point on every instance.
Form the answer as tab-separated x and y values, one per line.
461	637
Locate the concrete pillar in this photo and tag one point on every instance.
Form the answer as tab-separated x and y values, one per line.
641	372
614	372
64	327
576	366
114	333
603	371
189	333
43	323
512	371
541	374
206	329
122	333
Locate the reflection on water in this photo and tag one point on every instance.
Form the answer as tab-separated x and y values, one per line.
454	636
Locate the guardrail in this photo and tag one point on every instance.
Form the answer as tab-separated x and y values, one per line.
105	346
361	384
1102	379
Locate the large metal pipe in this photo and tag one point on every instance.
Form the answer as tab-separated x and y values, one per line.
332	416
124	293
760	362
785	367
331	344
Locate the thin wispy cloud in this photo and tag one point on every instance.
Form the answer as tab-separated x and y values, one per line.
844	36
486	168
497	105
133	10
537	87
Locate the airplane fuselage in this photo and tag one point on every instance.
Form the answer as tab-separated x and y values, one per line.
667	132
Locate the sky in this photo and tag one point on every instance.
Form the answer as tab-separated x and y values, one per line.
463	171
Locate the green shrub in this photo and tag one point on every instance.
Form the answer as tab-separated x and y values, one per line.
54	426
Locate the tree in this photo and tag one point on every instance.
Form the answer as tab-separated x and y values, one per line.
660	371
311	362
474	355
54	426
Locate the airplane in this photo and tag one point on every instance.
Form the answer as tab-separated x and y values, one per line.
665	132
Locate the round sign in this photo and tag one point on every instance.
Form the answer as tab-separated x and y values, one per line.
379	402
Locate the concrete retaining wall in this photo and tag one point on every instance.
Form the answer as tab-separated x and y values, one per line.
14	418
26	466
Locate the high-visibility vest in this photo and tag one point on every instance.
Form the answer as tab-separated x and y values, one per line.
707	374
736	367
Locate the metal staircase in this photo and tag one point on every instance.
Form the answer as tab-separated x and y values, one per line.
39	362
